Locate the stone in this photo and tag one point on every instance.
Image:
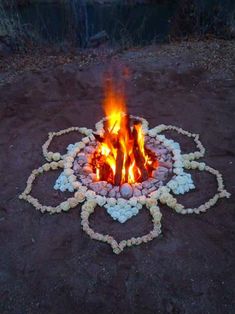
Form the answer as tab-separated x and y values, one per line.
98	39
114	191
103	192
152	189
160	173
87	169
99	186
109	186
86	181
165	164
93	177
126	190
82	159
159	151
137	186
148	183
76	166
162	169
145	192
89	149
136	192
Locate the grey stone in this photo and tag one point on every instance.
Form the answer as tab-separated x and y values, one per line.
136	192
103	192
126	190
93	176
160	173
165	164
148	183
109	186
82	159
99	186
145	192
87	169
137	186
114	191
86	181
89	149
98	39
152	189
162	169
76	166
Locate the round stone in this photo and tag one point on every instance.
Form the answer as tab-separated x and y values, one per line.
126	190
56	156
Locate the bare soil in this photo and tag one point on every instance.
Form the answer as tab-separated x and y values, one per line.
47	263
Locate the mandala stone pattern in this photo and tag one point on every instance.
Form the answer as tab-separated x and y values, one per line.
127	205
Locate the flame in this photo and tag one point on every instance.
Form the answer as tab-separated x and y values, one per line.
114	106
122	143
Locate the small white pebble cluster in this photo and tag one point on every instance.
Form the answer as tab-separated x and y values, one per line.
63	184
122	209
181	183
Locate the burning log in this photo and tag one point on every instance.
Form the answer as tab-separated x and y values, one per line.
127	165
119	165
139	158
98	137
123	148
105	172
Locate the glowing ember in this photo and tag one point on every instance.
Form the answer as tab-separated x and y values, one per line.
121	155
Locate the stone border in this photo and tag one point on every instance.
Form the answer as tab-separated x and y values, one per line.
163	195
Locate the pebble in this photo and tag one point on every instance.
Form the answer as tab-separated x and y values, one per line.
103	192
82	159
87	169
160	173
148	183
86	181
152	189
165	164
159	151
76	166
136	192
126	190
89	149
145	192
114	191
93	176
99	186
137	186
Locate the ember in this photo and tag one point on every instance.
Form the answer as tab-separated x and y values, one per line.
121	155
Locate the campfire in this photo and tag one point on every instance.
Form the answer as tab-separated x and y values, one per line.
123	166
121	160
121	156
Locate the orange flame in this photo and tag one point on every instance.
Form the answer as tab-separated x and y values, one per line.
114	106
122	143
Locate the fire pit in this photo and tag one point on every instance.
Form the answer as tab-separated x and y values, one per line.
123	166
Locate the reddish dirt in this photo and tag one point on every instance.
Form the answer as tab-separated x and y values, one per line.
47	263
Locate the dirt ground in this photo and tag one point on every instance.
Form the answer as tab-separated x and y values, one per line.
48	264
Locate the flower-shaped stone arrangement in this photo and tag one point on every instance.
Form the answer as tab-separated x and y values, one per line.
121	208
